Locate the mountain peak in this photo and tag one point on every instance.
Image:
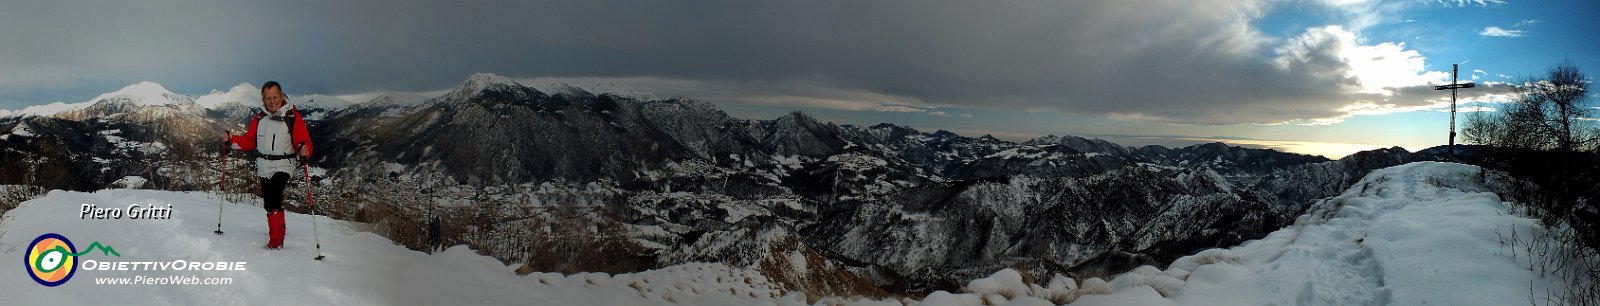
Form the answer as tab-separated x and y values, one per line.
244	94
144	87
484	79
795	115
245	87
145	93
479	82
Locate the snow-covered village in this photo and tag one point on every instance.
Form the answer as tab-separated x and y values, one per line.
1273	152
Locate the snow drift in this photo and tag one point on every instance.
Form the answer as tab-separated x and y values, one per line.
361	268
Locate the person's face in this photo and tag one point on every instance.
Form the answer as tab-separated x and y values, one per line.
272	99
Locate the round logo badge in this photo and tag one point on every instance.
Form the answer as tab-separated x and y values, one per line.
50	261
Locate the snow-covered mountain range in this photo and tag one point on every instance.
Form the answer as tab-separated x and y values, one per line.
833	209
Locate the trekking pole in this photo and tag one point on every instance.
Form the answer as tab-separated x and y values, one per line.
222	185
305	165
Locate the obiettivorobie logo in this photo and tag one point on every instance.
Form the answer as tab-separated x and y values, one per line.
51	258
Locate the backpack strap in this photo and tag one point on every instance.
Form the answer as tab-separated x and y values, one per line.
294	115
289	119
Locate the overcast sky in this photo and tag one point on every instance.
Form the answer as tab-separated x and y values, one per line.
1339	72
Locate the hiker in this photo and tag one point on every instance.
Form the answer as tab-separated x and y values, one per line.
277	135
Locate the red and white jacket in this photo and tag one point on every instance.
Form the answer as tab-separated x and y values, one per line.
276	139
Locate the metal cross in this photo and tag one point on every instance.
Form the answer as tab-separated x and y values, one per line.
1454	84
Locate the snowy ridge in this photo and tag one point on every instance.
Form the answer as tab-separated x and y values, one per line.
483	83
360	269
47	109
244	94
143	100
387	104
321	101
588	86
556	86
144	93
390	98
1415	234
483	80
1082	144
315	107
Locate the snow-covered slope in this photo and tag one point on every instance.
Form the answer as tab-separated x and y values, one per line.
1423	233
555	86
242	95
588	86
141	102
46	109
316	107
386	104
144	93
131	98
321	101
478	83
389	98
360	268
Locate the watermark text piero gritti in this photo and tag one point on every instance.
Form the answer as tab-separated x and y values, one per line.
133	212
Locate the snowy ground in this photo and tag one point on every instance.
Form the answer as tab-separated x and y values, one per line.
1417	234
1423	233
360	269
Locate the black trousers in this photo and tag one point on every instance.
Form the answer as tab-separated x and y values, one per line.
272	191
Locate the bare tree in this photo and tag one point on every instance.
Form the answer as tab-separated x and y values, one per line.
1546	138
1552	113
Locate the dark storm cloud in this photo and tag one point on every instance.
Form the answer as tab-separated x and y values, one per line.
1171	61
66	49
